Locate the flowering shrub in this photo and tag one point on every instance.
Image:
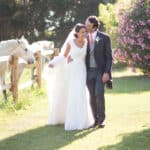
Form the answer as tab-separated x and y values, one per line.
134	37
119	56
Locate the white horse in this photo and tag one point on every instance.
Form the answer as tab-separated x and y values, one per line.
46	48
18	47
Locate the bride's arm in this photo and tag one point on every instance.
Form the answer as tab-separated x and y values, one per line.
67	50
69	59
60	58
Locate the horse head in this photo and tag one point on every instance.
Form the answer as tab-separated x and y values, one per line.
23	51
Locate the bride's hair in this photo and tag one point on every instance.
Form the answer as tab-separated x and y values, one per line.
77	28
72	35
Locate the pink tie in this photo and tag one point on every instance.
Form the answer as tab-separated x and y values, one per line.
91	39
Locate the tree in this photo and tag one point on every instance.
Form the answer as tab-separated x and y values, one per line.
49	19
71	12
108	18
134	36
7	9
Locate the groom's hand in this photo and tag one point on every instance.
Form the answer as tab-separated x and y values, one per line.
50	65
105	77
69	59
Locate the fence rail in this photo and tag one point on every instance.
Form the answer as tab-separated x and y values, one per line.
15	79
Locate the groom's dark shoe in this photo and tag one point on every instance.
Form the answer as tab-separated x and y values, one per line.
101	125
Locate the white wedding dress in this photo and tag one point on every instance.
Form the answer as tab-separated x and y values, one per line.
68	95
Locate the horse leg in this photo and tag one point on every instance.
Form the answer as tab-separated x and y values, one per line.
33	76
5	95
20	69
3	85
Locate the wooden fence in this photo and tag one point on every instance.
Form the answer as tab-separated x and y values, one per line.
37	65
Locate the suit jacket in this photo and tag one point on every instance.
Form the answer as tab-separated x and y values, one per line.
102	54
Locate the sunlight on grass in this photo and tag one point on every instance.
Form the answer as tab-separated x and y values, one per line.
24	126
126	72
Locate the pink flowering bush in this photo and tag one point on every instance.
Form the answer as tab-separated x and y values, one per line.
134	37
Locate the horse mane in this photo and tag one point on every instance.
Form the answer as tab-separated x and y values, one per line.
6	47
23	40
7	43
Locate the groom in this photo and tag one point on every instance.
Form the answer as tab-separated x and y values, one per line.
98	63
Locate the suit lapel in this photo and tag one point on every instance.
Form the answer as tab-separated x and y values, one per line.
88	45
98	39
95	42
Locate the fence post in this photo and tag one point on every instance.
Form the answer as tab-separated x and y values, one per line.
15	77
38	68
56	51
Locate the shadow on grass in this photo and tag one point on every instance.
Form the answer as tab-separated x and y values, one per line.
43	138
133	141
130	84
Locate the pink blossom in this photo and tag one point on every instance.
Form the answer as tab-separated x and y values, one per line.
134	36
142	23
148	21
146	31
147	57
147	47
133	69
136	57
140	40
147	11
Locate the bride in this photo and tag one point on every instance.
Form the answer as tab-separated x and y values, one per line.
66	83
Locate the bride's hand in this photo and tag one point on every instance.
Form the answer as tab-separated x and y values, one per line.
69	59
51	66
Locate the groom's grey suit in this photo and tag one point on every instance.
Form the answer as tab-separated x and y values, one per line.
98	62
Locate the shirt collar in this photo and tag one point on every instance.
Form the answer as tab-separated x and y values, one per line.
94	34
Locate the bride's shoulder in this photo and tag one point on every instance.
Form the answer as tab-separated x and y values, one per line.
70	41
86	41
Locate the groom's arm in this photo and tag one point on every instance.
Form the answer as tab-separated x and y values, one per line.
60	58
108	59
108	54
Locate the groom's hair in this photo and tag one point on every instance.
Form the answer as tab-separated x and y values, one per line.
94	20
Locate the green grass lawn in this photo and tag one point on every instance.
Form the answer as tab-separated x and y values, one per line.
24	126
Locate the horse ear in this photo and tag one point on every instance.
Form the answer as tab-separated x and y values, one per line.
18	41
22	37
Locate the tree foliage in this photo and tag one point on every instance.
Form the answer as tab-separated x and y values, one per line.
109	20
45	19
134	36
7	9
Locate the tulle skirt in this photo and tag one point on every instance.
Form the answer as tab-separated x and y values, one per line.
68	96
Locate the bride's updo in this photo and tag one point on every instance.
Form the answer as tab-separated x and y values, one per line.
77	28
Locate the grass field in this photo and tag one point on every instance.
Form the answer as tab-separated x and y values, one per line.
24	126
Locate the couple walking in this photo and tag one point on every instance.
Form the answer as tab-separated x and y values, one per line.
76	78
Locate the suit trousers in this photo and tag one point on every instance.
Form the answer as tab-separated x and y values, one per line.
96	91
